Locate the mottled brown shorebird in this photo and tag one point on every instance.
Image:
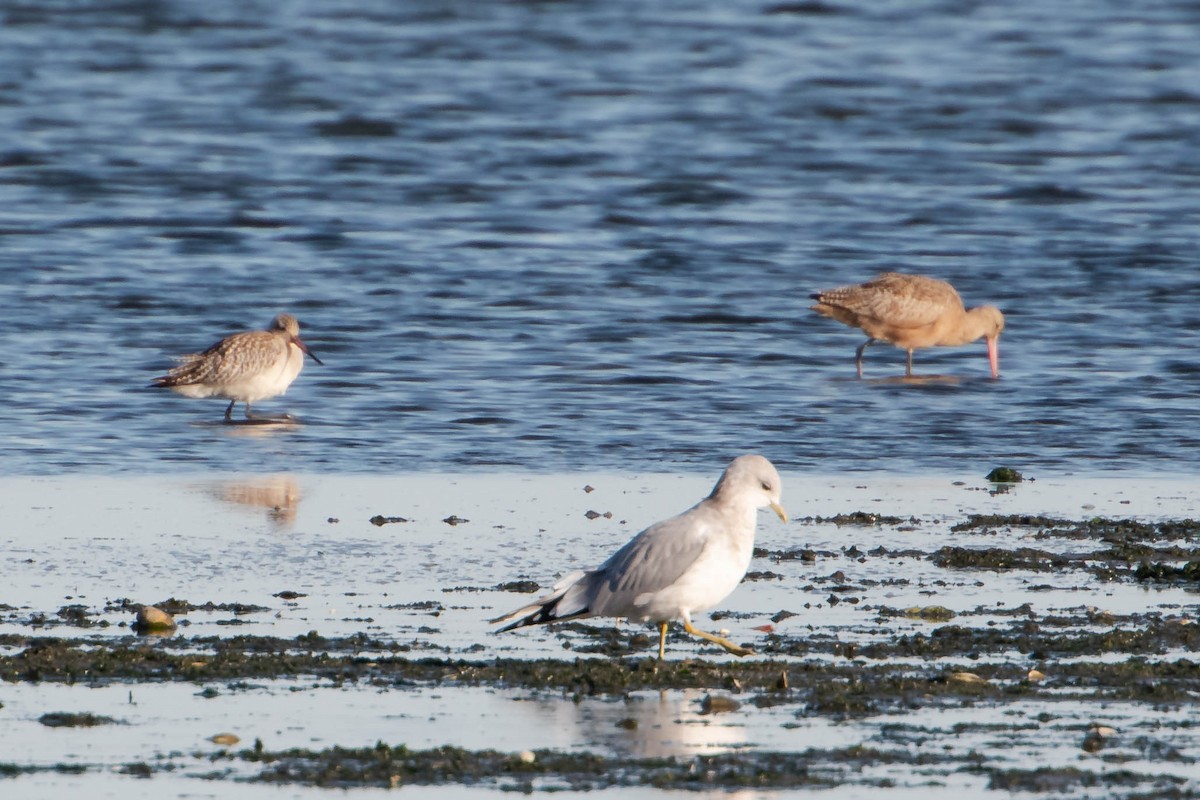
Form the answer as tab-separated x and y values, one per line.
245	367
911	312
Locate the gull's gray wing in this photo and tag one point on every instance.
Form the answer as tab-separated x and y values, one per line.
651	561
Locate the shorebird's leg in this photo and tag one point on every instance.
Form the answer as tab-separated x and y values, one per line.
908	369
858	354
229	411
662	640
728	645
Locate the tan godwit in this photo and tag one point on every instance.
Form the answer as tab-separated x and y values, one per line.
685	564
911	312
245	367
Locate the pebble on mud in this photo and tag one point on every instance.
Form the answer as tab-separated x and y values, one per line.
1094	740
226	739
151	619
1036	675
718	704
527	757
966	677
379	520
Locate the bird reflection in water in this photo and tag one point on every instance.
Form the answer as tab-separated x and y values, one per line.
278	494
650	724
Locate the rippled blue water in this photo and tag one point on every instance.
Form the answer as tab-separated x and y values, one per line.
581	235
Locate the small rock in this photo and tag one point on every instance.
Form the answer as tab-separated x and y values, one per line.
527	757
1095	738
1005	475
718	704
628	723
288	594
379	520
1036	675
966	677
454	519
226	739
151	619
589	489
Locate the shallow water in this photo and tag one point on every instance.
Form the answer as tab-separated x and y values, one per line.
431	586
564	236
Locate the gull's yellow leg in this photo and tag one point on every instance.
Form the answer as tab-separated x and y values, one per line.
728	645
662	640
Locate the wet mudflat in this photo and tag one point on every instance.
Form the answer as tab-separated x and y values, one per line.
913	637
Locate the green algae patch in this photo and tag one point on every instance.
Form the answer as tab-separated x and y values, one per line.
65	719
1168	573
999	558
386	766
977	521
930	613
856	518
1005	475
1054	781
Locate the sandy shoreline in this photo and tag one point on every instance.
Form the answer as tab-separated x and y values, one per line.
873	599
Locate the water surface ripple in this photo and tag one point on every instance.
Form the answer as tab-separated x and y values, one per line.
581	235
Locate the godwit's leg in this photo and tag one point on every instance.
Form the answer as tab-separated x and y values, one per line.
858	354
662	640
229	411
908	369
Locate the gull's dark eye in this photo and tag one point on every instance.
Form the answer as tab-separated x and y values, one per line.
766	486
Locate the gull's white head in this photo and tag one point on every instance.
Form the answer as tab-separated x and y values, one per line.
750	478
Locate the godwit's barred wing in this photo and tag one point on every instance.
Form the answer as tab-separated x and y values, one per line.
240	354
904	301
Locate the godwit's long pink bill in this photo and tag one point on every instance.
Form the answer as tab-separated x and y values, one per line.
243	367
911	312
